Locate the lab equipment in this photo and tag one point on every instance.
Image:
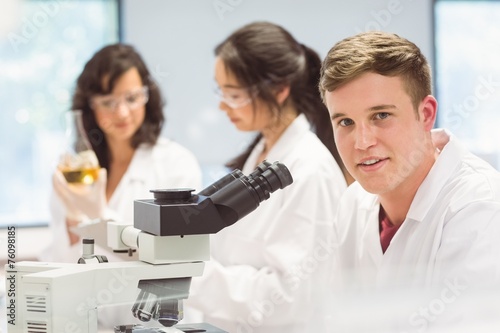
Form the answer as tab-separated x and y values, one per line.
171	233
78	163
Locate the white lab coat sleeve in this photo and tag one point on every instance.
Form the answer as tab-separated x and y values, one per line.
282	292
470	247
466	278
59	248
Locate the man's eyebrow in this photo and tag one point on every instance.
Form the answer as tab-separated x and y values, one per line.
371	109
382	107
337	115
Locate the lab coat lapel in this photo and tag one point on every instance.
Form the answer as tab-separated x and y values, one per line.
140	164
135	173
369	232
360	250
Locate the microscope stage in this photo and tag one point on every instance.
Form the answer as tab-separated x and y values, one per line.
186	328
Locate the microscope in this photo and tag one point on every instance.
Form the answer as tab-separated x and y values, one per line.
171	234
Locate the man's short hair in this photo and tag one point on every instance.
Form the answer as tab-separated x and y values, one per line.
377	52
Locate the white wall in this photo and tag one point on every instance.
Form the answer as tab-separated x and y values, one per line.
177	38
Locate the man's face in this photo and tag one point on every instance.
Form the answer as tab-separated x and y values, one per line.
378	135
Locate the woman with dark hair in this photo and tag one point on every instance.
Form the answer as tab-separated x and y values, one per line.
122	111
268	270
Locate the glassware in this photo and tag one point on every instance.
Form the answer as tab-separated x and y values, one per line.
79	162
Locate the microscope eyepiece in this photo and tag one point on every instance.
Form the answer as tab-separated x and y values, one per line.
243	194
268	178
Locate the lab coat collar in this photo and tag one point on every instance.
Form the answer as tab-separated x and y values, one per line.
135	171
452	152
139	163
285	144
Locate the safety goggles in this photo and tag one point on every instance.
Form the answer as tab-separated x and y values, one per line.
132	99
235	98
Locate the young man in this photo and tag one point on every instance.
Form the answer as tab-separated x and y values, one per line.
424	211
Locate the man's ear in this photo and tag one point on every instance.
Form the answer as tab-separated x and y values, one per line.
428	111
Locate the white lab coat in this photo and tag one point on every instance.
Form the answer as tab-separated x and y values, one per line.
165	165
448	242
268	270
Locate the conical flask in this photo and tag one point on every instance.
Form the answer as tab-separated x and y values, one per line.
79	162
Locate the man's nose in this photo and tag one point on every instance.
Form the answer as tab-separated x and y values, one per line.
365	137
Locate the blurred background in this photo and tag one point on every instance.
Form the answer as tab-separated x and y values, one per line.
44	44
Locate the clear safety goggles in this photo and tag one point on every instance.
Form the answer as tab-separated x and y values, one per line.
235	98
132	99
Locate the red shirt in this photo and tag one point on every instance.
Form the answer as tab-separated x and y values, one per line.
386	228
